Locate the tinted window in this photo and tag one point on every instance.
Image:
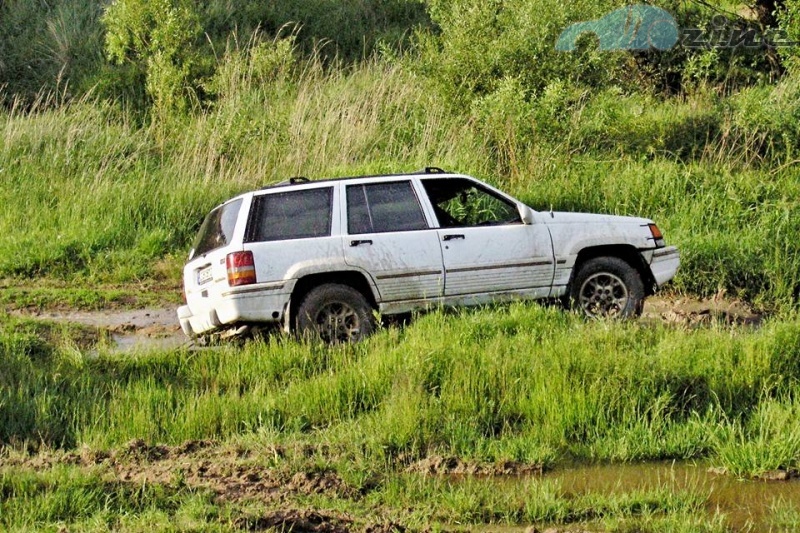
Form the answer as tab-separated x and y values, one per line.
462	203
217	228
383	207
290	215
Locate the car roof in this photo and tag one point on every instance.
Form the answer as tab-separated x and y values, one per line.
301	182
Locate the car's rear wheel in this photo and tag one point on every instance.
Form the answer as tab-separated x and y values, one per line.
334	314
607	287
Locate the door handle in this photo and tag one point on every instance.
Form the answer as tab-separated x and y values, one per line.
453	237
359	243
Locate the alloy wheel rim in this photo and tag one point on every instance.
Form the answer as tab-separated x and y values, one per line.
603	295
338	322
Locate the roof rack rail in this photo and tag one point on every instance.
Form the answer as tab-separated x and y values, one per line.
290	181
432	170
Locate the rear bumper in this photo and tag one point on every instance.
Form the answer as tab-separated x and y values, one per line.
184	317
664	264
254	306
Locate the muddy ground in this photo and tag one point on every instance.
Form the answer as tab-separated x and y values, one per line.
271	477
158	328
232	475
278	481
276	478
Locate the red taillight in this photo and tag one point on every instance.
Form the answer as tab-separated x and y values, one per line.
241	269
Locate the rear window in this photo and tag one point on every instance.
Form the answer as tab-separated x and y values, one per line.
290	215
217	228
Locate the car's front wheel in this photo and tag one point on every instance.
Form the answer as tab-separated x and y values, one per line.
607	287
335	313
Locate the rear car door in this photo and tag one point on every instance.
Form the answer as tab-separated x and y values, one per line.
389	236
486	247
288	228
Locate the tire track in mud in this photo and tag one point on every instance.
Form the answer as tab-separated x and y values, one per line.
274	476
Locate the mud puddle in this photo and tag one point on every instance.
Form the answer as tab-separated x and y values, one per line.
126	331
143	321
698	312
747	505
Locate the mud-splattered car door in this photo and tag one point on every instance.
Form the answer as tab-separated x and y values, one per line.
486	246
388	235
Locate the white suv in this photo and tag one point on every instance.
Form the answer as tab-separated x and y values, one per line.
319	257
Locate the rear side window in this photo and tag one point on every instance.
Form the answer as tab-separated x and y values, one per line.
290	215
383	208
217	228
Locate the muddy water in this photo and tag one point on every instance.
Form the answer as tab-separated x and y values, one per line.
128	330
135	343
146	321
743	502
158	329
747	505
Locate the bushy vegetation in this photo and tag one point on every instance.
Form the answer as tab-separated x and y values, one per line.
122	124
105	188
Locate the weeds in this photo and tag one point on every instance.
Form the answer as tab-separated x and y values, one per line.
557	387
94	195
98	190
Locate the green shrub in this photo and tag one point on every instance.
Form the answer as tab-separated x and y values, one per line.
789	22
158	36
49	46
482	44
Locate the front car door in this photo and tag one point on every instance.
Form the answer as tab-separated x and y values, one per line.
486	247
389	236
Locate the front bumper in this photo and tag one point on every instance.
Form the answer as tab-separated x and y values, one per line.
664	264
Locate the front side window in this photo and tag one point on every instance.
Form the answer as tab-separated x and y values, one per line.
383	208
290	215
462	203
217	228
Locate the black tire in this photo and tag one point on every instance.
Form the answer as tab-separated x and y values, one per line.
334	314
607	287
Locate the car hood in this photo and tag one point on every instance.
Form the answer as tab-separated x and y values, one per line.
588	218
573	232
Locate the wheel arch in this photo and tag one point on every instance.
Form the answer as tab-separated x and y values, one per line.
627	253
351	278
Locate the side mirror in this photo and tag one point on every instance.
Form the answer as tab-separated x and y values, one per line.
526	214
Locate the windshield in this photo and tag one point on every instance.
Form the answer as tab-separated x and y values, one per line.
217	228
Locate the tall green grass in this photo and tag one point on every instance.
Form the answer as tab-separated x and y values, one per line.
95	193
520	383
87	501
